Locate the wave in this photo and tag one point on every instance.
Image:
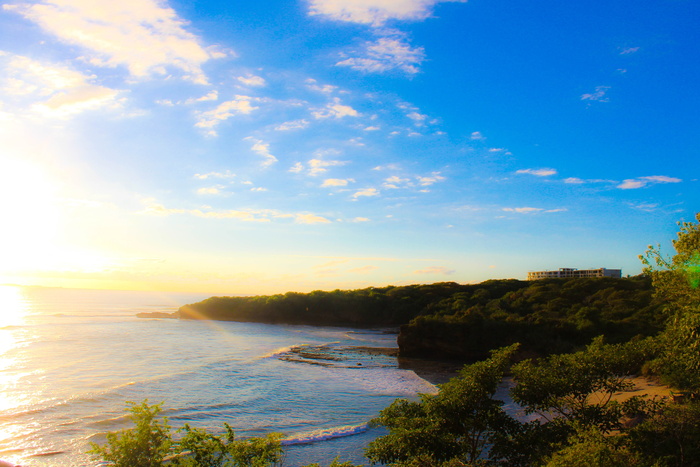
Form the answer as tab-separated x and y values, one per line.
325	434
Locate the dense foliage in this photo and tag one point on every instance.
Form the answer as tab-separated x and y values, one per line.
150	443
450	320
677	285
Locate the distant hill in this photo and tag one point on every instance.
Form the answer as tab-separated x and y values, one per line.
460	321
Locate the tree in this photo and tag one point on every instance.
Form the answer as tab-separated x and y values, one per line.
676	280
591	448
578	387
145	445
149	444
200	448
454	427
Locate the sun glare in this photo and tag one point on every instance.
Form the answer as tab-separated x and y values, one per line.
29	217
12	311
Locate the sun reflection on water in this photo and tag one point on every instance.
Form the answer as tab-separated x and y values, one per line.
13	310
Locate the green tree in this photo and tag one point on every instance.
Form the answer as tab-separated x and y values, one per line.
454	427
591	448
671	436
144	445
199	448
149	444
578	387
676	280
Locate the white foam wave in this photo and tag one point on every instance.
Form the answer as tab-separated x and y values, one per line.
325	434
279	352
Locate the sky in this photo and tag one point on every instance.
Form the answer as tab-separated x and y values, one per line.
296	145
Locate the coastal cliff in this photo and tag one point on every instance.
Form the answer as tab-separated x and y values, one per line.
464	321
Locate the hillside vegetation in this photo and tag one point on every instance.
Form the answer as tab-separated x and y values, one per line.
450	320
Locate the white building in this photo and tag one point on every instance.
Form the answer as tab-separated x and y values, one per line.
566	273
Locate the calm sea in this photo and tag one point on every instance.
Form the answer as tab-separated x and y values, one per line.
71	359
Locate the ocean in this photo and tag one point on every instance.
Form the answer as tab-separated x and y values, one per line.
71	359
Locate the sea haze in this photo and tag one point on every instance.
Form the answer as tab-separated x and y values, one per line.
71	359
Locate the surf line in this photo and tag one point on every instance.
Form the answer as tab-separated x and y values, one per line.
325	434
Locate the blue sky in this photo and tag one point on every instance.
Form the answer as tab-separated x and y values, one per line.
261	147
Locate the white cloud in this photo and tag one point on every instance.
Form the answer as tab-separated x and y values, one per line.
434	178
292	125
395	181
477	136
646	207
524	210
212	190
336	182
263	150
386	54
313	85
641	182
417	117
531	210
258	189
598	95
226	174
310	219
361	219
574	181
372	128
319	166
211	118
296	168
252	80
246	215
143	35
336	110
374	12
537	172
366	192
629	50
53	90
211	96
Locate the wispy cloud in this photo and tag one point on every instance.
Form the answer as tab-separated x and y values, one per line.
367	192
225	174
384	55
335	109
537	172
373	12
154	208
319	166
598	95
310	219
145	36
629	50
641	182
363	269
477	136
211	118
52	90
263	150
336	182
211	190
292	125
252	80
210	96
531	210
435	270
